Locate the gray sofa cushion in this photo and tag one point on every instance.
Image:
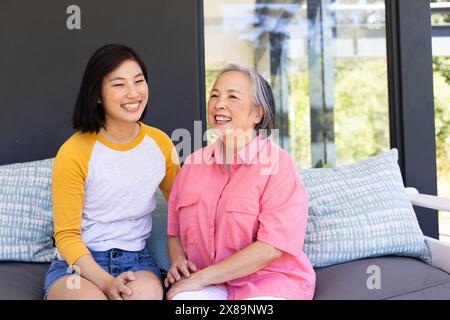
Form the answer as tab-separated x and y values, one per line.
400	278
22	280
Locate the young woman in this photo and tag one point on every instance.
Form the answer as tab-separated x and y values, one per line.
104	182
238	209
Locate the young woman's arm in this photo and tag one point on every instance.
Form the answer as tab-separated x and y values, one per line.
70	171
111	286
176	251
179	262
171	158
69	174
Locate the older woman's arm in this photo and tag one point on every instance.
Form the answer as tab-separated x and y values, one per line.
244	262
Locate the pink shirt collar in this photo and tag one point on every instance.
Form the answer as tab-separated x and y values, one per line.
247	155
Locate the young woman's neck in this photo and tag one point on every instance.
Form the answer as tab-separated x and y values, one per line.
120	133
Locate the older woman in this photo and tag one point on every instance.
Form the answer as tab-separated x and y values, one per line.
238	209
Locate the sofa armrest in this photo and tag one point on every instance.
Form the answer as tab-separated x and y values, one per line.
428	201
440	250
440	253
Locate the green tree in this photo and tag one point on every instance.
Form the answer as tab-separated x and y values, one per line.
361	113
441	81
361	108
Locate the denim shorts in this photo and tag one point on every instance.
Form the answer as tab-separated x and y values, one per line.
114	261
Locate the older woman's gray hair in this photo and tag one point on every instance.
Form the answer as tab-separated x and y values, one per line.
261	96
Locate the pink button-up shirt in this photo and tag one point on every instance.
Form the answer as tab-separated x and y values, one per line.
217	212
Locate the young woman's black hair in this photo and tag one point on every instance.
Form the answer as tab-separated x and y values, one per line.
89	115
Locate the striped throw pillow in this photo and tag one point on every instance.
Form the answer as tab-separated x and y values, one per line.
26	218
359	211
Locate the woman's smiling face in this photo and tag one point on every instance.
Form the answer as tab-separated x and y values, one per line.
230	105
124	93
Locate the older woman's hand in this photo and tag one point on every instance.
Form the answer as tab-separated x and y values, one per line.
193	283
182	266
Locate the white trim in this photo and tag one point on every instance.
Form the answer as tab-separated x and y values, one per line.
440	250
428	201
440	5
440	253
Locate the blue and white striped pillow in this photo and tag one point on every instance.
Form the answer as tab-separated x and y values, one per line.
26	218
359	211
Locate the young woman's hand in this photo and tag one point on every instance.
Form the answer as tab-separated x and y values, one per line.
183	266
116	287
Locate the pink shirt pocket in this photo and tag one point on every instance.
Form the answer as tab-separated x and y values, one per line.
188	212
241	219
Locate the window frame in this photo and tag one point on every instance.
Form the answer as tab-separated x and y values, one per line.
410	91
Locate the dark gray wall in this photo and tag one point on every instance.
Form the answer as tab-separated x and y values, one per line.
42	62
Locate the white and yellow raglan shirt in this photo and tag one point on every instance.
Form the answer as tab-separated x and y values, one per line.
104	193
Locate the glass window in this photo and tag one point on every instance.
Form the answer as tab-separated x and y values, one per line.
440	19
326	62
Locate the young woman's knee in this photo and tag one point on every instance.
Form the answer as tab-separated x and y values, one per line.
146	287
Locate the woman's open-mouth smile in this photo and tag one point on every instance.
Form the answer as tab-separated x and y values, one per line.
131	107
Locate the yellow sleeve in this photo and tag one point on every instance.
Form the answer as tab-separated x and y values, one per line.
69	175
171	156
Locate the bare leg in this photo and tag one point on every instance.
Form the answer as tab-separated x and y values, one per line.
83	290
147	286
